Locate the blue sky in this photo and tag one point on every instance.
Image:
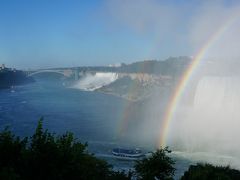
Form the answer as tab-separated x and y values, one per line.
56	33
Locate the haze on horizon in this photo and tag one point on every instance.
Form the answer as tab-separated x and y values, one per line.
57	33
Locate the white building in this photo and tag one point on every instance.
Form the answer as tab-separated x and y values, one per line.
2	67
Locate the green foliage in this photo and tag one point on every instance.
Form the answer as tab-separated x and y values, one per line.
159	166
12	150
210	172
172	66
121	175
46	156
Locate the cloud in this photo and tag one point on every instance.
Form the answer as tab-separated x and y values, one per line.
209	125
177	25
209	19
144	16
151	19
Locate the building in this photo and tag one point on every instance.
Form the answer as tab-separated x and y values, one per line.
2	67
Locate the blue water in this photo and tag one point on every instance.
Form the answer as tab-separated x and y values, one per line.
92	117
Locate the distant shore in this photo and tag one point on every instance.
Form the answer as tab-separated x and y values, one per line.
12	77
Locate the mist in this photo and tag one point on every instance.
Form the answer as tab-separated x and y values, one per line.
179	29
207	118
91	82
206	129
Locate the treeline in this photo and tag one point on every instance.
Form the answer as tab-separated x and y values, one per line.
173	66
10	78
45	156
170	66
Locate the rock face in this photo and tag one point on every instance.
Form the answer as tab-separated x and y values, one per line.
9	78
137	86
140	80
136	81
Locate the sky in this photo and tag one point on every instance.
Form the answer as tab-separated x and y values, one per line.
66	33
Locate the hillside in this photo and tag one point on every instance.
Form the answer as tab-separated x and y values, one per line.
138	81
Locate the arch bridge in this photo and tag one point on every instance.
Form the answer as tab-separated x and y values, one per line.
64	72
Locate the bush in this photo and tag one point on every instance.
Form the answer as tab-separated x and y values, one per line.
210	172
158	166
46	156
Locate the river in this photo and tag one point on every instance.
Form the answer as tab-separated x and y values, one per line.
93	117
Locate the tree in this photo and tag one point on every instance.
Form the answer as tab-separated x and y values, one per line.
158	166
210	172
47	156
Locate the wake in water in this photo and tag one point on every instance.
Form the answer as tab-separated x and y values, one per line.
91	82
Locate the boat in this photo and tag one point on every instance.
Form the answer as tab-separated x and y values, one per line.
127	154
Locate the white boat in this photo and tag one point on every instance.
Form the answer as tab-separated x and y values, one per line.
127	154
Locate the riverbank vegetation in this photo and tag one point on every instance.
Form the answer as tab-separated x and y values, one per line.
47	156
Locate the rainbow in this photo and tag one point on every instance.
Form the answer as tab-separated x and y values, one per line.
126	114
182	83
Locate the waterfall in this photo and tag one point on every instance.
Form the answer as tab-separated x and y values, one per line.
218	94
91	82
212	124
209	130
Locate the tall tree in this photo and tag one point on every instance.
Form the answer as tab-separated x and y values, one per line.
157	166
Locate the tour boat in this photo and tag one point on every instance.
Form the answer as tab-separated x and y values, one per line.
127	154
